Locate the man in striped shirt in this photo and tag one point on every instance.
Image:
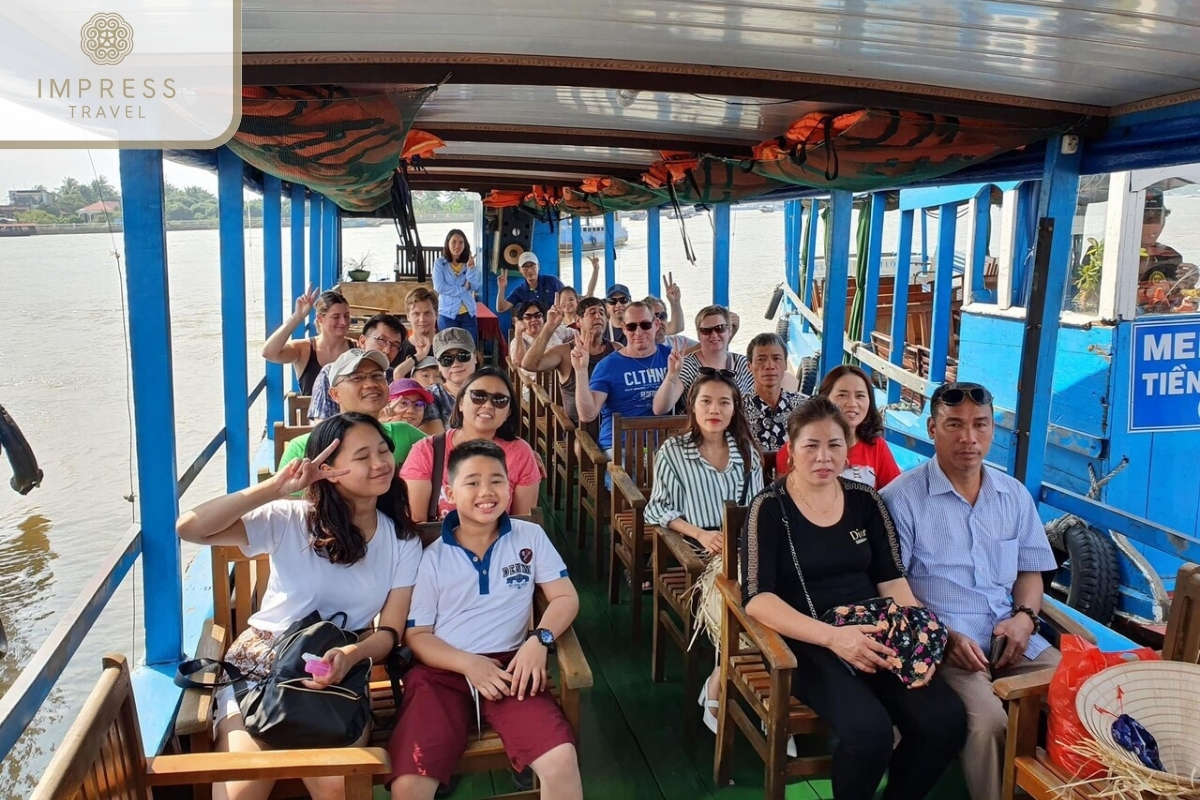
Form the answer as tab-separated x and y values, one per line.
974	550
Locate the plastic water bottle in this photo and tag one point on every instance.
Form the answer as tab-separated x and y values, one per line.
315	666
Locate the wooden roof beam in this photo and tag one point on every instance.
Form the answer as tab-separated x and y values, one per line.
585	137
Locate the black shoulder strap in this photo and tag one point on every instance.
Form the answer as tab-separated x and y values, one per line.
746	469
439	464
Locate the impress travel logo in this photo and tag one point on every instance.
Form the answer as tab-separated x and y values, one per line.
131	73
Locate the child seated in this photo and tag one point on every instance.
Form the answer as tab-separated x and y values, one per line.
426	372
469	630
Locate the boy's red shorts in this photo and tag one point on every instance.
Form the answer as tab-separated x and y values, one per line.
438	713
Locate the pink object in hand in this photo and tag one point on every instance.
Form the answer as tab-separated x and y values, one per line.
314	666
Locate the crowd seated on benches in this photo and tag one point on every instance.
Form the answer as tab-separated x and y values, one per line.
382	332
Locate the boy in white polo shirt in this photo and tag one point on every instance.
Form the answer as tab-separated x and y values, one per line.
469	630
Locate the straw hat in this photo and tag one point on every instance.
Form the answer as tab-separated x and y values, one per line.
1164	696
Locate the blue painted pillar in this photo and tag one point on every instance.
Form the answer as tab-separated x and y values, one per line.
273	289
924	240
233	320
299	285
721	245
837	275
980	293
315	209
900	299
577	253
329	244
610	252
874	265
654	251
810	257
943	294
1025	239
793	219
153	400
1059	195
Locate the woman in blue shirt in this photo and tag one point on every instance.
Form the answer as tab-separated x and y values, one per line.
456	279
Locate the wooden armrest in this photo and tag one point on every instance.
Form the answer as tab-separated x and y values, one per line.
206	768
774	649
573	668
561	418
589	449
1064	622
195	709
680	550
1031	684
623	484
540	393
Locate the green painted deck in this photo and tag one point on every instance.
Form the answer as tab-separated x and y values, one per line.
633	744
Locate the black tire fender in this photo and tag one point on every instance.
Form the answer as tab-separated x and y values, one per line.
1092	558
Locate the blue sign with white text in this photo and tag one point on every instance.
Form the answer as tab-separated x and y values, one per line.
1164	380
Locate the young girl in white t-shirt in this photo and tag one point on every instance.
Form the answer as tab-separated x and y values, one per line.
349	545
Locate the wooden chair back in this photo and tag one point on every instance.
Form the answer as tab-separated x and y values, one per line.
731	533
283	434
635	441
295	408
1182	642
101	757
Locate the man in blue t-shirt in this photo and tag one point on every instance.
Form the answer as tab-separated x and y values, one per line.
542	288
625	382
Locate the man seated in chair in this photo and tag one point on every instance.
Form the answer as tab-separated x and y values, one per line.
974	550
478	662
358	382
544	354
382	332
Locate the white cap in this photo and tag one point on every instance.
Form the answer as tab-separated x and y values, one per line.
527	258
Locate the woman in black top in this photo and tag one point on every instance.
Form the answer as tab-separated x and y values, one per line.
814	540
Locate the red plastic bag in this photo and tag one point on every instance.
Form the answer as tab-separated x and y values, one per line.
1080	661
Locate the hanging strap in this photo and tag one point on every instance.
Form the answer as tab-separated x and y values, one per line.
439	465
787	531
745	484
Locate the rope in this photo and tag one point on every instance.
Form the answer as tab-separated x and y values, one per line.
1097	485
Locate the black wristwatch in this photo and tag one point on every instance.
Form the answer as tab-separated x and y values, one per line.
545	637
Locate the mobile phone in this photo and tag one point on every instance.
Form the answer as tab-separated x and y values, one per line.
999	643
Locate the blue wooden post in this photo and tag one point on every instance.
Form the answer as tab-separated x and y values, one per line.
721	243
299	285
273	289
233	320
983	216
610	251
577	252
837	275
874	264
1060	192
1023	242
315	209
900	299
153	400
792	220
329	244
654	251
924	240
943	294
810	258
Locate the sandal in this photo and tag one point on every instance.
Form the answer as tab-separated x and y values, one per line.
710	717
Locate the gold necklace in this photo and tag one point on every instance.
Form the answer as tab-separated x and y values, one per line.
807	502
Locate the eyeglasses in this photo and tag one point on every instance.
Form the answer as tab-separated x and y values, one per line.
633	326
462	357
661	315
419	405
951	394
726	374
620	300
358	378
388	343
714	329
479	397
532	317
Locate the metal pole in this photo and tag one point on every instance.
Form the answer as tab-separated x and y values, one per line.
793	219
610	251
943	293
233	320
654	251
149	300
577	252
273	288
874	258
299	286
837	275
329	243
721	245
900	299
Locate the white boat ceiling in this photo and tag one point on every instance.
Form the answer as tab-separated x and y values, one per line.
596	87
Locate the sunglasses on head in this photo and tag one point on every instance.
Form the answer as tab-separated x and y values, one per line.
479	397
952	394
725	374
714	329
620	299
633	326
462	357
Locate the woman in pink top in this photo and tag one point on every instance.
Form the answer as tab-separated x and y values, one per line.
483	410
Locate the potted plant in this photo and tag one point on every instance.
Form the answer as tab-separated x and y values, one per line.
1087	280
358	269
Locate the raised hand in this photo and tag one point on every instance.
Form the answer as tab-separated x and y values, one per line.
519	326
298	475
579	354
306	301
554	316
672	289
595	263
471	261
502	280
422	344
855	645
674	362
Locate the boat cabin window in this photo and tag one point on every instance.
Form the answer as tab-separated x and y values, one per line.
1169	248
1083	289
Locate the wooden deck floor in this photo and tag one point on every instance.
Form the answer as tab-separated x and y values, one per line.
633	745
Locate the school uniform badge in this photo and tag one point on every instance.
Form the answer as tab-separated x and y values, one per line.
526	555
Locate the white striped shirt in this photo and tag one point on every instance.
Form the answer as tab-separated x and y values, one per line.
962	559
687	487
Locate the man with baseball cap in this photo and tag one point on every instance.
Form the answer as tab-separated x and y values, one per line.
382	332
617	299
358	383
542	288
454	350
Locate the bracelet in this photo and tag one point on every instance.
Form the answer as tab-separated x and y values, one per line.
1027	610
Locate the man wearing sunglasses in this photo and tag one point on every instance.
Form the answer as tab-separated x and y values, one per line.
625	382
544	356
528	322
974	549
454	350
383	333
616	299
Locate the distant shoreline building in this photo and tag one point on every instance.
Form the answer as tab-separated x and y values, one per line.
96	211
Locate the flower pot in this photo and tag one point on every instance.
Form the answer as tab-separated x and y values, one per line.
359	274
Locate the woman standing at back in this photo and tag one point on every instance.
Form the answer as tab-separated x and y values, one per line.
456	279
307	356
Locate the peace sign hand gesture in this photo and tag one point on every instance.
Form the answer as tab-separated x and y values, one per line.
306	301
672	289
554	316
579	354
298	475
674	362
502	279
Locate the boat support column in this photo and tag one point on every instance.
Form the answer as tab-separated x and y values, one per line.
610	251
943	293
231	207
721	244
900	299
874	267
810	257
654	252
792	221
272	223
314	248
329	243
577	253
149	299
837	276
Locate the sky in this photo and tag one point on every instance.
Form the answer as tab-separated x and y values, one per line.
24	169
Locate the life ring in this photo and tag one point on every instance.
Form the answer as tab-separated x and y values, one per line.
1092	561
26	475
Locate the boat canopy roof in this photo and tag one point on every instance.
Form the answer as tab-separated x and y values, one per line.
551	94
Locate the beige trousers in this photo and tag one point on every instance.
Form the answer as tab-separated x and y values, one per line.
987	721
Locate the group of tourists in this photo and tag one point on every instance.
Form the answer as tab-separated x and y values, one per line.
408	429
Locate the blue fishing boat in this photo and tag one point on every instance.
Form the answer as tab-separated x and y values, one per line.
593	234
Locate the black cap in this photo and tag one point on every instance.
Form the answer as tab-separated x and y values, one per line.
1154	200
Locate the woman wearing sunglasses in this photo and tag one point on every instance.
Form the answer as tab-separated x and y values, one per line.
483	410
869	460
454	351
715	459
715	327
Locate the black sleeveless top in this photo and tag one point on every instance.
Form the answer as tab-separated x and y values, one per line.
312	369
